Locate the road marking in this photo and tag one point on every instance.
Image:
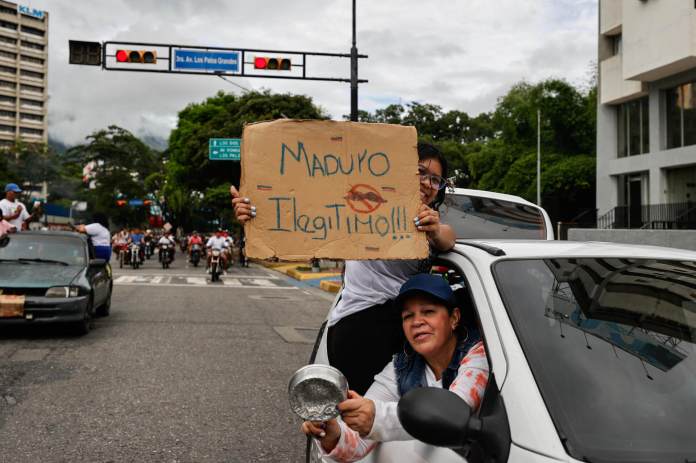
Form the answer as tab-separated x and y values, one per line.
194	280
209	285
199	281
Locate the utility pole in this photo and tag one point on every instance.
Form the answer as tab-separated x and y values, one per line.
354	75
538	157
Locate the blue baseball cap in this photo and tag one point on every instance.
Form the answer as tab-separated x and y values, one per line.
12	187
431	286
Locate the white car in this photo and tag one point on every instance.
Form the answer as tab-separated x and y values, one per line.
590	350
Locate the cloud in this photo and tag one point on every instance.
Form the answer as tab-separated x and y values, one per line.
460	55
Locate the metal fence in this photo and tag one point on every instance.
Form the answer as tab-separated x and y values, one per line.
672	216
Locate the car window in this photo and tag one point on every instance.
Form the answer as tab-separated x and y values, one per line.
611	344
476	217
60	248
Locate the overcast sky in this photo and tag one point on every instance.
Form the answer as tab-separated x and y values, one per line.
458	54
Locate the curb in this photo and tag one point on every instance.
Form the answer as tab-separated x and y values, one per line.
330	286
303	276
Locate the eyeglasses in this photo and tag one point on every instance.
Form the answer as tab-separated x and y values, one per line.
436	182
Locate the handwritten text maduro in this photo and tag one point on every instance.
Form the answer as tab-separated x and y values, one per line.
376	164
337	218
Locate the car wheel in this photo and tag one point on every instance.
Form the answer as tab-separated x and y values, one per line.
105	309
84	326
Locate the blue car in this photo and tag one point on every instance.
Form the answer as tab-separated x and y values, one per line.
52	277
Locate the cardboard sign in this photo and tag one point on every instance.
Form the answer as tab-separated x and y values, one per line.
11	306
338	190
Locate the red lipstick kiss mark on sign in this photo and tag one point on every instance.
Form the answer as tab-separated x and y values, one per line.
363	199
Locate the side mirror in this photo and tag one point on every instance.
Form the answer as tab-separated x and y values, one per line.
98	263
435	416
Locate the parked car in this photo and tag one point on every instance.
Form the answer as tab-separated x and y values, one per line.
589	346
56	279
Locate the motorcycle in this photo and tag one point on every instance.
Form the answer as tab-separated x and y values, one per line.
215	265
134	255
165	255
148	249
195	254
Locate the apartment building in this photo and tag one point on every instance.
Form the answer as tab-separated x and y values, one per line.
23	74
646	116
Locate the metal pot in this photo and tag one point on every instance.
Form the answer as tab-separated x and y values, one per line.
315	390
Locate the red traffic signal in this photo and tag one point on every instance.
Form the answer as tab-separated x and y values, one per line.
272	64
136	56
121	202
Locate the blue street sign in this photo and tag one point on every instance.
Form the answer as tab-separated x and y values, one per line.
206	61
225	149
135	202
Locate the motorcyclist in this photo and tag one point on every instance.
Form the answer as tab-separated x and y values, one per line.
148	240
166	240
195	238
136	237
217	242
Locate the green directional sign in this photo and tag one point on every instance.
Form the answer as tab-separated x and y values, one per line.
225	149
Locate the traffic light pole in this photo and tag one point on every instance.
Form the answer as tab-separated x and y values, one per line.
354	75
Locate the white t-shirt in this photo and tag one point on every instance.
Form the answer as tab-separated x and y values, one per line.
372	282
100	236
9	208
216	242
165	240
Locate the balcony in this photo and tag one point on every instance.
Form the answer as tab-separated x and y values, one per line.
614	88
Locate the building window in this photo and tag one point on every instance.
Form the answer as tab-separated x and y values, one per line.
8	40
7	128
8	99
681	115
31	117
10	114
7	10
31	103
30	88
32	31
32	45
28	131
6	84
8	69
616	45
31	59
8	25
32	74
633	128
8	55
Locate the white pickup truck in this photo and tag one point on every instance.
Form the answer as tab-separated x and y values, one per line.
590	347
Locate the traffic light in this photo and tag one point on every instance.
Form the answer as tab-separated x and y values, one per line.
136	56
272	64
121	202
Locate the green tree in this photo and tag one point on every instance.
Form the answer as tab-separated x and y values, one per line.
189	173
122	164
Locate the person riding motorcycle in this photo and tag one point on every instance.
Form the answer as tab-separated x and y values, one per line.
166	240
195	238
217	242
136	237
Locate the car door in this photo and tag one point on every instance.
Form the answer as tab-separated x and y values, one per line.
98	278
467	279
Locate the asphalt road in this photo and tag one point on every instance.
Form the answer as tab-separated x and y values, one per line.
181	371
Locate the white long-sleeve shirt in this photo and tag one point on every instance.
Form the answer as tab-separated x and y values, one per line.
469	384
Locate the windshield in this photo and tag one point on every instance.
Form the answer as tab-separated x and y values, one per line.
476	217
47	248
611	345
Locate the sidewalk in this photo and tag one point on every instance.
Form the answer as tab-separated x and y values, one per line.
328	279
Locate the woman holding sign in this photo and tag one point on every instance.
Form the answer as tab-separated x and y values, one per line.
364	330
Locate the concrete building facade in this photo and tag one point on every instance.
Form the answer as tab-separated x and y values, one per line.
646	116
23	74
